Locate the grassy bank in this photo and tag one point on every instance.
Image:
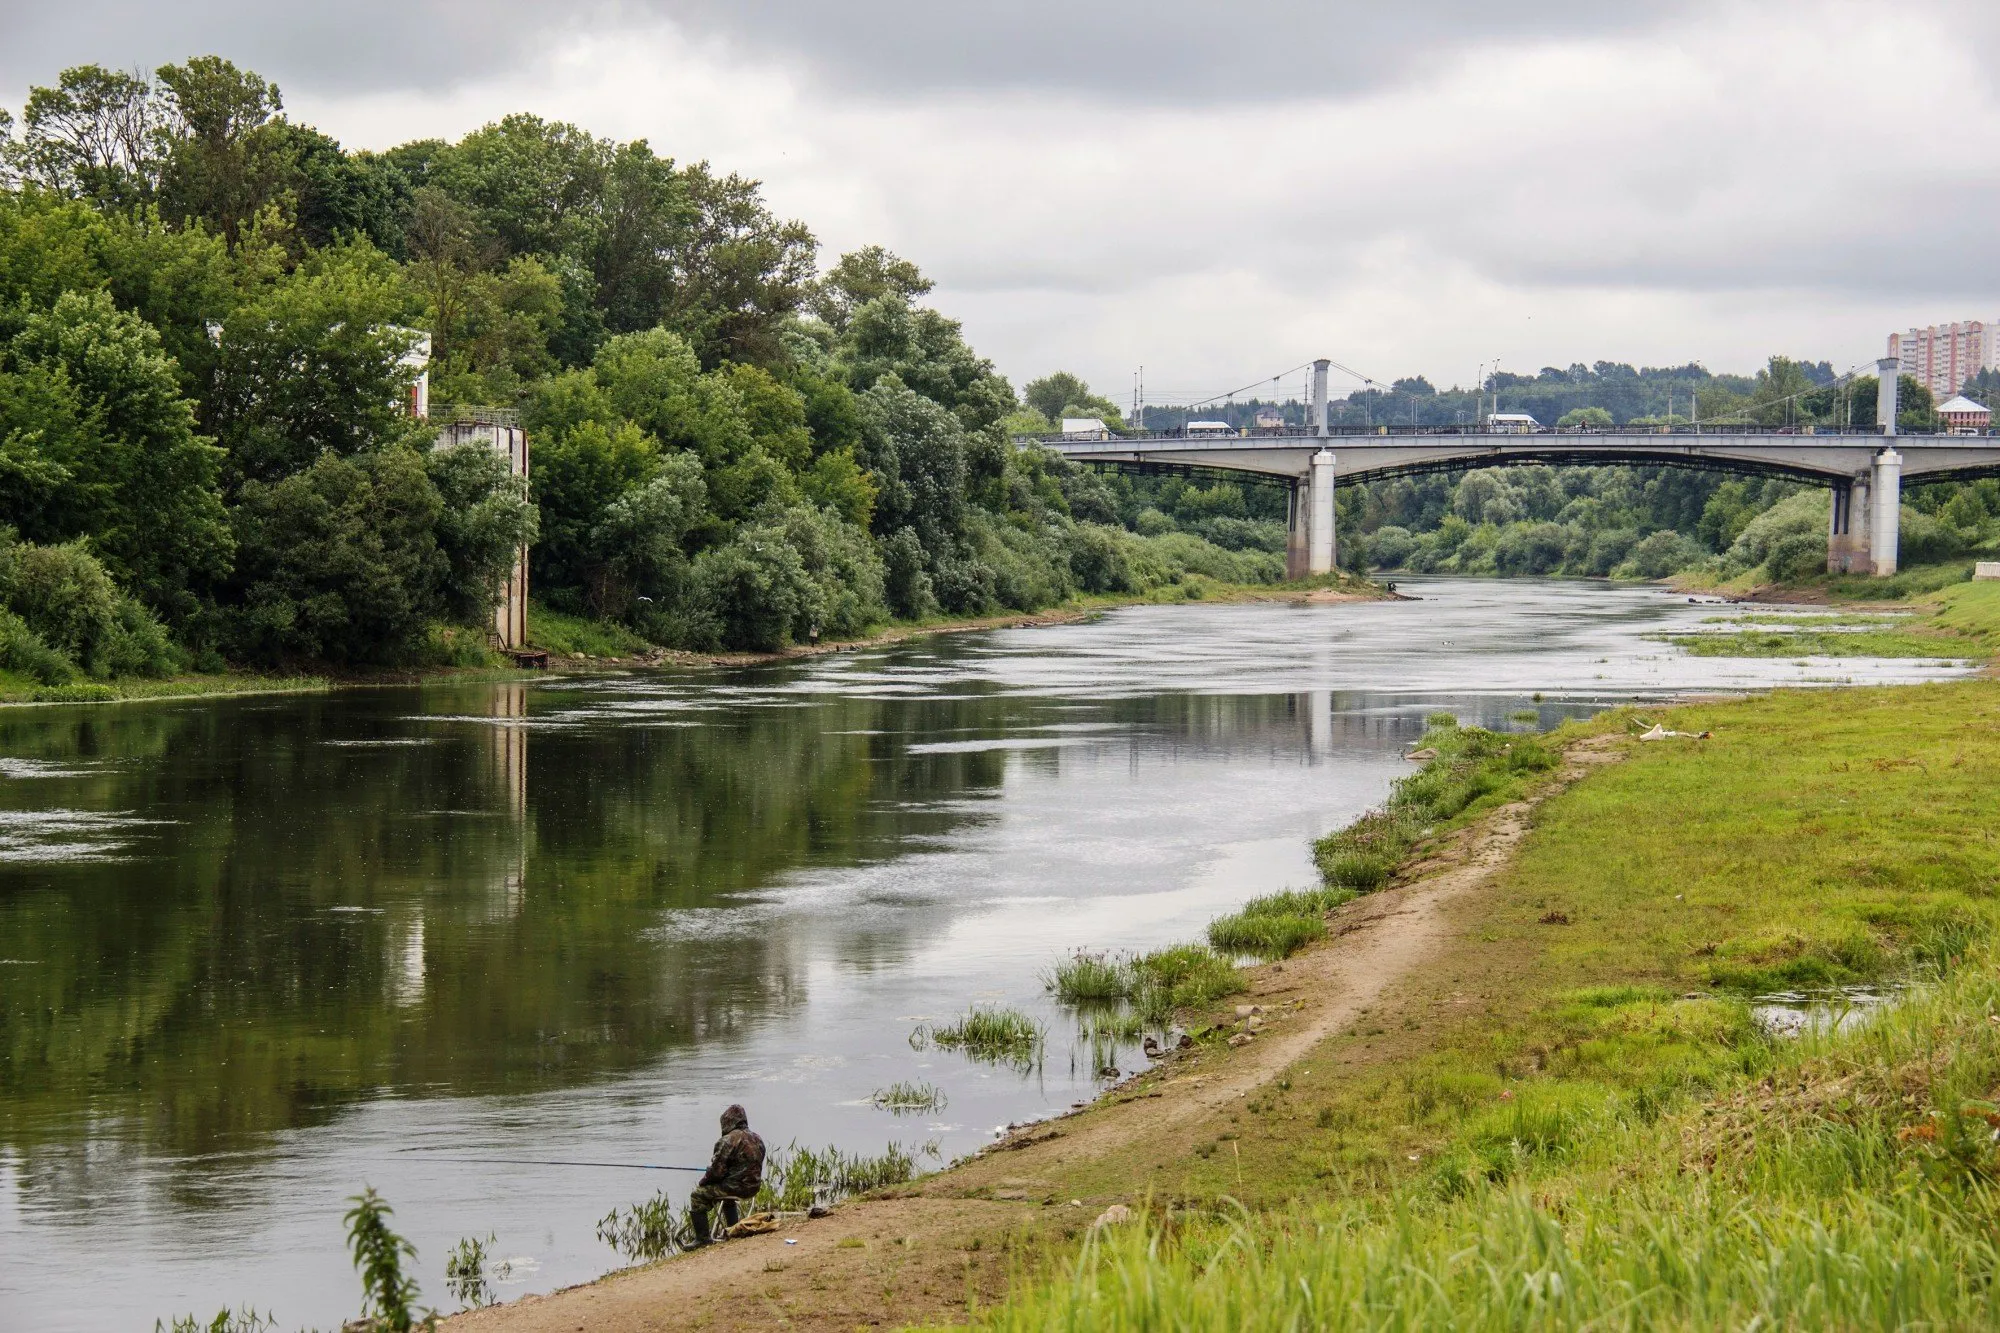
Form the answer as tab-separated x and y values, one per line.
1961	621
18	689
1574	1119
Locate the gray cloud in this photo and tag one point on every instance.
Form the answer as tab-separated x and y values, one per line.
1157	52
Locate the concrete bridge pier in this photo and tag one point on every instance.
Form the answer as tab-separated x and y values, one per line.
1886	500
1295	529
1847	528
1320	548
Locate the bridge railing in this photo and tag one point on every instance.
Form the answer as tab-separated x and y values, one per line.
1504	433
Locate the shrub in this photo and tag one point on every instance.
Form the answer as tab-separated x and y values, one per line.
752	592
23	650
1665	552
1795	556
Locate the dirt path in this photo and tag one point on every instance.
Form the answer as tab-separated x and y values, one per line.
919	1256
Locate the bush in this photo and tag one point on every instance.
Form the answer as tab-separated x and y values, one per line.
1801	514
1665	552
1796	556
1391	546
750	593
68	600
23	650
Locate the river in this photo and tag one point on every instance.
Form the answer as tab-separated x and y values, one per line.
253	950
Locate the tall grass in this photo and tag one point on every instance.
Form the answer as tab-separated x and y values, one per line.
1084	978
796	1178
1852	1185
901	1098
1472	766
1277	925
988	1032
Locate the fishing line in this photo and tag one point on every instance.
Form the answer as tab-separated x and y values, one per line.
540	1161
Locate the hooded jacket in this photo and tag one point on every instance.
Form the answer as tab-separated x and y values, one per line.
737	1168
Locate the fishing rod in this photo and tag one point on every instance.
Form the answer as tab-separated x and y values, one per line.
540	1161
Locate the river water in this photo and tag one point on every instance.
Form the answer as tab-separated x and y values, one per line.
253	950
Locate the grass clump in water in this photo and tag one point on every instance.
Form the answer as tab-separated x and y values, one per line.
1473	767
909	1098
990	1033
1085	978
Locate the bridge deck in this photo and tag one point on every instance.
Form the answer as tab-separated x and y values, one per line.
1365	457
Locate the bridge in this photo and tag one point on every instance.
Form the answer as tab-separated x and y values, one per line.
1864	468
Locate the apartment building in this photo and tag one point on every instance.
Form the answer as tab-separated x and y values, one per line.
1945	356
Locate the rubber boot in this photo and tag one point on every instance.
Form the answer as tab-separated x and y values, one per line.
699	1224
732	1213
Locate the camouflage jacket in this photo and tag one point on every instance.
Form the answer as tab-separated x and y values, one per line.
737	1168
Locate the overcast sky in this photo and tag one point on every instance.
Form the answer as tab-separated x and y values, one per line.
1220	192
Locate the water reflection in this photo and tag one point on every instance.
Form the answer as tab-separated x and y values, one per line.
250	949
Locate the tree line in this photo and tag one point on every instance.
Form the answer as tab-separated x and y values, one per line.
208	320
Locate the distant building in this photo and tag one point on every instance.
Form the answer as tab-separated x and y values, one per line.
1084	428
1270	418
1511	423
1944	356
499	429
1962	416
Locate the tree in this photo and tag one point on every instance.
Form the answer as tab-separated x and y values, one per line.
484	519
97	135
105	419
738	270
221	169
862	276
1050	394
1585	418
339	562
314	364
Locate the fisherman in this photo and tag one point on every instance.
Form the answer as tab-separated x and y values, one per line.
734	1174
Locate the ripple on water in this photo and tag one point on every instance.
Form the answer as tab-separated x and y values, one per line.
59	836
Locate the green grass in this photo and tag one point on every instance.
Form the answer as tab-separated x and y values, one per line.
1180	977
1960	622
1277	925
988	1032
573	636
909	1098
1571	1120
138	688
796	1178
1474	771
1084	978
1820	643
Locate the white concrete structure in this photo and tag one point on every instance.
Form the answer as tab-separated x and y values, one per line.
1944	356
1886	501
1987	571
1319	538
498	431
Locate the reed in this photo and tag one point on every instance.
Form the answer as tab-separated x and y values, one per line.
988	1032
908	1098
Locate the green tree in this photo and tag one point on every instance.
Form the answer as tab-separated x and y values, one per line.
861	276
97	135
222	168
484	519
314	364
338	563
97	410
